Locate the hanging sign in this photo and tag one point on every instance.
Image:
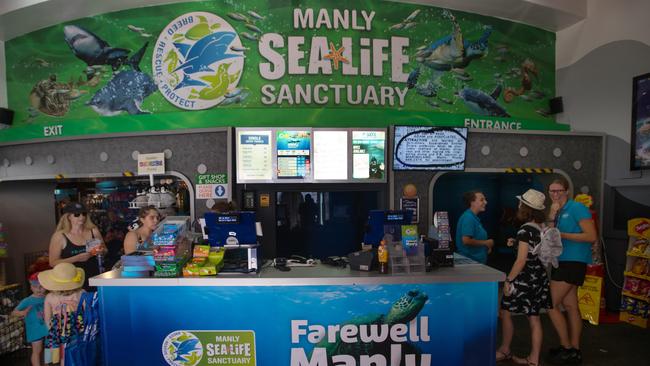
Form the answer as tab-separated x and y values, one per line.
149	164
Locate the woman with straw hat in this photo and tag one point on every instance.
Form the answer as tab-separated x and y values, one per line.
64	284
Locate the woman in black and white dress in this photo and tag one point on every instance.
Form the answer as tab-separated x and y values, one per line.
526	290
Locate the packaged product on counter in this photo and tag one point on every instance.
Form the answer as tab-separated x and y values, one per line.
201	251
204	266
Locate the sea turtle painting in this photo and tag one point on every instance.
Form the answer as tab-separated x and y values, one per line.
405	309
452	51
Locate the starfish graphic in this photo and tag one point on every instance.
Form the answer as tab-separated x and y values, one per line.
336	56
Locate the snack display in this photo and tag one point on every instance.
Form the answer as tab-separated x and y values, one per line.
639	246
204	263
640	267
636	288
171	247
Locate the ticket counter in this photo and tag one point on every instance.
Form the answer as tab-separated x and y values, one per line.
307	316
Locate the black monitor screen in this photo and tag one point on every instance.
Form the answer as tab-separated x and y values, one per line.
640	141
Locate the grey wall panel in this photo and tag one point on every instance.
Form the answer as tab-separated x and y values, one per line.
505	153
82	157
28	201
27	215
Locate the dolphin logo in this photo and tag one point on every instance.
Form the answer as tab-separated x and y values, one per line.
198	57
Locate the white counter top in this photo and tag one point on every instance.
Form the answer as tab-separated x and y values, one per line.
317	275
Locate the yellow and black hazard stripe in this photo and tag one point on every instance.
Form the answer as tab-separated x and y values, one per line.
529	170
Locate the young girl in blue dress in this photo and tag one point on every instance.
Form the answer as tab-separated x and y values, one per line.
31	308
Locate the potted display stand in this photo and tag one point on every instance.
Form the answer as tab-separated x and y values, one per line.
635	302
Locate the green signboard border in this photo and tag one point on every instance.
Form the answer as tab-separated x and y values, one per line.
256	117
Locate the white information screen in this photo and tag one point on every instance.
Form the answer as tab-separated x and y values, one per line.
368	152
254	155
429	148
330	155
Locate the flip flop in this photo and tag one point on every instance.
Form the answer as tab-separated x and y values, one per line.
524	361
502	356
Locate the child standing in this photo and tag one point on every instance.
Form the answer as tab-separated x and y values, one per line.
31	308
64	284
526	290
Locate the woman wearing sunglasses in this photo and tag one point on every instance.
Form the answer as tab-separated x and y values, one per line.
77	240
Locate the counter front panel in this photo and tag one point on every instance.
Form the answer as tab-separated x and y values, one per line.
416	323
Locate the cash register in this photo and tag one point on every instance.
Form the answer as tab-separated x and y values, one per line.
236	232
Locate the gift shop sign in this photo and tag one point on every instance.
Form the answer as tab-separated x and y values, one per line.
150	164
211	186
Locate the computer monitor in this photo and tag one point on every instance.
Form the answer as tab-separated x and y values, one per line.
381	222
231	228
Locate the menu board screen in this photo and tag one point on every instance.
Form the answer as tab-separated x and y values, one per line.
368	155
254	155
330	155
429	148
294	154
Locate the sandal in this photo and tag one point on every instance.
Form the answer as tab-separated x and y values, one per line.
524	361
502	356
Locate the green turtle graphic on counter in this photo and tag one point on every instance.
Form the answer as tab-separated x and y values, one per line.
405	309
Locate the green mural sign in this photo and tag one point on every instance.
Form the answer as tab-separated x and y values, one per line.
282	63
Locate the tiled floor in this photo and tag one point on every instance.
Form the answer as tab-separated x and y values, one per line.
617	344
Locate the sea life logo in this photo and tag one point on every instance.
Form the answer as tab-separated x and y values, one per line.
182	348
198	61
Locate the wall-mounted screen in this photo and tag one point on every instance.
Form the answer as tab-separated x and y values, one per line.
293	154
640	141
330	155
429	148
310	155
254	156
369	154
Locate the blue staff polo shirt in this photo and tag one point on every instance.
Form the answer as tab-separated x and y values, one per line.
568	221
470	225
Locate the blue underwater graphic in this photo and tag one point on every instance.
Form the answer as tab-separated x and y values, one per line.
448	324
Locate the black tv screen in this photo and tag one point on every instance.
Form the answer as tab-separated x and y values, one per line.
640	141
429	148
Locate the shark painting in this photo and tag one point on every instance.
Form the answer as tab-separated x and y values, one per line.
483	104
125	91
93	50
199	56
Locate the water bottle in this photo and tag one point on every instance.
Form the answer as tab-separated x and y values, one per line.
100	262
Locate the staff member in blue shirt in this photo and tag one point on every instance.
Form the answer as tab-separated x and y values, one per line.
578	231
471	238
